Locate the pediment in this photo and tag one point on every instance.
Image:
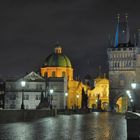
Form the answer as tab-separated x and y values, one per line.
32	76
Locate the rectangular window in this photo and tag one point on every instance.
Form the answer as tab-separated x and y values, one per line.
26	97
37	97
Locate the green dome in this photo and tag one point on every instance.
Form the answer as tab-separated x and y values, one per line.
57	59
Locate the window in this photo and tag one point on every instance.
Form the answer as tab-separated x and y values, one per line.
53	74
39	87
12	97
12	106
121	80
1	102
27	107
63	74
26	97
37	97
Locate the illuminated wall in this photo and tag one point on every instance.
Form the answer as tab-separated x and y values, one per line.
101	89
57	72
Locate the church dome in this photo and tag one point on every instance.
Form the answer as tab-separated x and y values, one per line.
57	59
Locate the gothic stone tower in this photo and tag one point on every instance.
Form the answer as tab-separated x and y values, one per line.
124	63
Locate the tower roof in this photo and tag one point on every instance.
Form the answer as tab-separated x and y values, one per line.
122	37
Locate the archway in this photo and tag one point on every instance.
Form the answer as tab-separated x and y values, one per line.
118	100
105	106
121	104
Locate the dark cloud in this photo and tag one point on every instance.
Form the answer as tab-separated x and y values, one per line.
29	29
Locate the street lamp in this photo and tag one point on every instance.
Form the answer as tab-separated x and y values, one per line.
23	83
77	96
66	95
133	85
51	97
128	92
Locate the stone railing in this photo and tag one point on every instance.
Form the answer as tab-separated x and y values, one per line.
8	116
133	125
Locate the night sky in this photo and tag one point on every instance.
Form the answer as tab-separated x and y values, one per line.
29	31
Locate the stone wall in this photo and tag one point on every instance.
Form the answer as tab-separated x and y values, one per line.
8	116
133	125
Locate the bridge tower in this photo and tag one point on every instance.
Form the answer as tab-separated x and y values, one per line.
124	64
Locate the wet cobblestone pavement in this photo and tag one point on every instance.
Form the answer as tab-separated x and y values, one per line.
95	126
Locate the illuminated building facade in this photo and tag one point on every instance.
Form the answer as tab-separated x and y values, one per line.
29	95
57	86
57	65
99	96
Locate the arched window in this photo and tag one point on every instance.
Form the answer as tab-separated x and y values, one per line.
63	74
53	74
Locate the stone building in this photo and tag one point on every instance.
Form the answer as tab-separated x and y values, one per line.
2	90
52	89
124	66
59	91
30	95
99	95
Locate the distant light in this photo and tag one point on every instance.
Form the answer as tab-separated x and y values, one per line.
133	85
128	92
131	100
66	94
23	83
130	96
96	100
123	31
51	91
96	113
77	96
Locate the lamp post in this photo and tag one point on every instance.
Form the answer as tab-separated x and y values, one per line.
23	83
51	97
133	86
77	96
66	95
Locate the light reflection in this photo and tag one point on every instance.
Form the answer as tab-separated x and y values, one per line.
89	126
17	131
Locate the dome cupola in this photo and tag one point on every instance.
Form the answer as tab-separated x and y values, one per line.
57	59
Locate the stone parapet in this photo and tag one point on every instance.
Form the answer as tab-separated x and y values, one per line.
133	125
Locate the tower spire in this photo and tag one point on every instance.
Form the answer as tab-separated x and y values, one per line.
99	71
126	17
117	32
118	17
122	36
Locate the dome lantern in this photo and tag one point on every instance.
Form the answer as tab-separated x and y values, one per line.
58	50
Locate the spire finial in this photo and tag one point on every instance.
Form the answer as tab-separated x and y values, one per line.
135	41
100	71
118	17
57	43
126	16
110	40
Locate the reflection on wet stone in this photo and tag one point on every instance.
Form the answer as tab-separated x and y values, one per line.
95	126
